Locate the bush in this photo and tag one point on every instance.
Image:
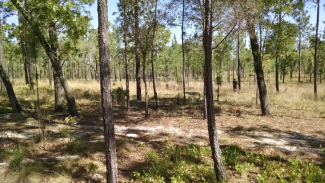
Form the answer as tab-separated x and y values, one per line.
118	95
4	109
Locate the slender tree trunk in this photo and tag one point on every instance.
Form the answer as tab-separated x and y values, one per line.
183	53
137	50
52	53
207	42
126	56
152	57
238	53
105	81
315	56
278	55
3	86
233	68
277	73
299	47
258	69
145	85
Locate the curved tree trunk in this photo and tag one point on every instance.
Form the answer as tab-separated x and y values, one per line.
105	81
52	53
207	42
5	79
258	69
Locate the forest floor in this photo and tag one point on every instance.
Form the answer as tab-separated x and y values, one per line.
73	150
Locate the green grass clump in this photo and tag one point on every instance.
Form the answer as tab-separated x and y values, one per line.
194	164
4	109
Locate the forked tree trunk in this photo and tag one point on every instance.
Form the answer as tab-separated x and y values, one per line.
105	81
137	50
52	53
207	42
258	69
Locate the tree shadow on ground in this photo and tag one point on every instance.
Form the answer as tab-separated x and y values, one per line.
278	137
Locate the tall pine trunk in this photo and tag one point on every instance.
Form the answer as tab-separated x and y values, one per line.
105	81
137	50
152	57
315	55
278	54
126	56
258	69
207	42
299	48
238	55
145	85
183	52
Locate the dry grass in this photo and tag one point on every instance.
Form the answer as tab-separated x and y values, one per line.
293	109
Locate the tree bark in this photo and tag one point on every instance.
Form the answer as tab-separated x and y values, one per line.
238	55
59	93
152	57
183	53
105	81
52	53
207	42
137	51
145	85
315	55
258	69
49	72
126	56
299	48
5	79
278	54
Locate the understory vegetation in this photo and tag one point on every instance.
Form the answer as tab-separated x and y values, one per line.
193	163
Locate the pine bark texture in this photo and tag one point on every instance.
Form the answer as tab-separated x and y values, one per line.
105	82
207	42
